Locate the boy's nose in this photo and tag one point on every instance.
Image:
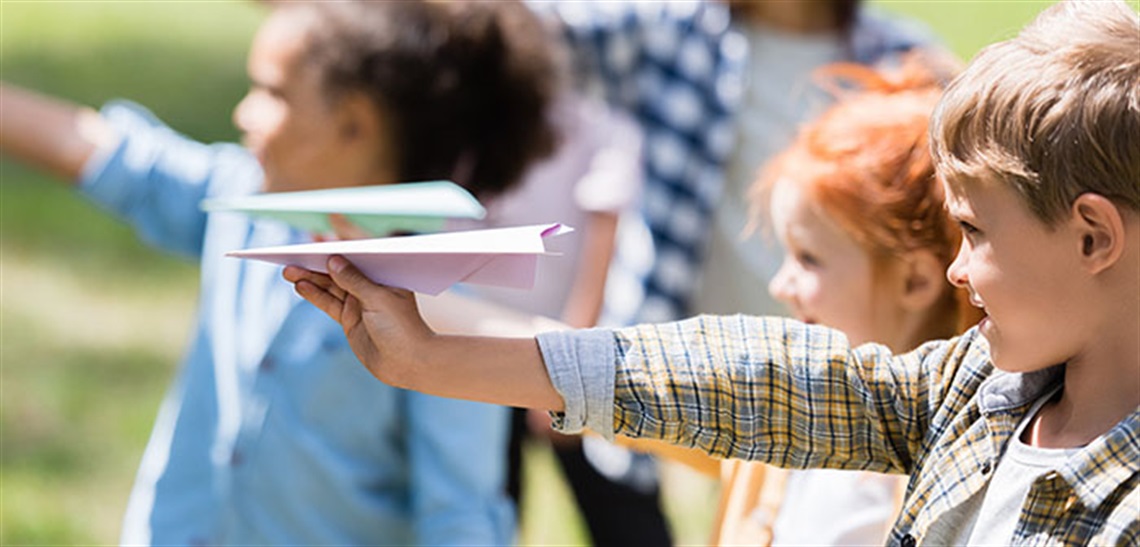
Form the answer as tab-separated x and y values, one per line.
956	272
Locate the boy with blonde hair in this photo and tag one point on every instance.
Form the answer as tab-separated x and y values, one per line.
1025	430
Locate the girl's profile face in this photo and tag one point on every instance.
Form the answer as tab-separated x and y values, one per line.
826	277
286	120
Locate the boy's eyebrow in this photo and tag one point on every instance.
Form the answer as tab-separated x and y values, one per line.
958	213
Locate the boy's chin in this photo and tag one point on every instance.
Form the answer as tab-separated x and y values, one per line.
1010	360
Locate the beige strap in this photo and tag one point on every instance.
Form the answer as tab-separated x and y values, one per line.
750	500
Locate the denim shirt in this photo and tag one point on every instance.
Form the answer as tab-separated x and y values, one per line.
273	432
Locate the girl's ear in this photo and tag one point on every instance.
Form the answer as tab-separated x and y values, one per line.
923	280
1100	226
357	117
366	134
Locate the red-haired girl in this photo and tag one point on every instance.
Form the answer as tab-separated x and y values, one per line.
856	206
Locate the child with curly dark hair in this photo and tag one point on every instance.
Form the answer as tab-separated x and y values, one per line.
272	432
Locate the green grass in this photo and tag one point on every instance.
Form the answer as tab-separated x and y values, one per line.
92	322
965	26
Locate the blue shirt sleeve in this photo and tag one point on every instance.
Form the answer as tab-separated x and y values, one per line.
155	178
457	451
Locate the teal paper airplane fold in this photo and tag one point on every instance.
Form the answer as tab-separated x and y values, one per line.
420	207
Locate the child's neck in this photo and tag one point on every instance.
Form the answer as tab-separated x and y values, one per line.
1101	388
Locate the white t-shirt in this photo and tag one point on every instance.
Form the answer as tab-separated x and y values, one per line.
779	97
831	507
990	516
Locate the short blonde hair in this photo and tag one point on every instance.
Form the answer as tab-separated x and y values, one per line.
1054	111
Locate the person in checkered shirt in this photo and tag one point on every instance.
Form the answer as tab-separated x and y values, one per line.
1025	430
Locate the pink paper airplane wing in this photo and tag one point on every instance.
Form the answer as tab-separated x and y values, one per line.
517	271
422	273
511	271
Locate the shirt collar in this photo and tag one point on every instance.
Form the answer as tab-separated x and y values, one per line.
1005	391
1106	463
1097	469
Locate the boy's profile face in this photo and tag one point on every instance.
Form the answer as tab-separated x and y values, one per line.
1023	274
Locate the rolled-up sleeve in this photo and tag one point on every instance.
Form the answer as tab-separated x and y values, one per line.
581	367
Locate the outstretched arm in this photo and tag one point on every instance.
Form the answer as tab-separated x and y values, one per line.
49	133
385	330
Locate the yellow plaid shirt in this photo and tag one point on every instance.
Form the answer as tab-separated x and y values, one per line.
799	396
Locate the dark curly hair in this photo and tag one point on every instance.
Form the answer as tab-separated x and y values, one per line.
464	85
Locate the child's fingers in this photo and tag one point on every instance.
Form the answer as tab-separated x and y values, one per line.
294	274
349	278
322	299
352	307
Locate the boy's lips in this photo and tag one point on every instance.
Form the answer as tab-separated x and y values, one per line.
976	301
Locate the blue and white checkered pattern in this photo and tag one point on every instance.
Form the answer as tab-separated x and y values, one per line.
680	69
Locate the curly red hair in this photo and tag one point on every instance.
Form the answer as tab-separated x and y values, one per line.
866	163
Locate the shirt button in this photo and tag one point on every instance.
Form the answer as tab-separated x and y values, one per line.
908	541
236	458
268	364
987	467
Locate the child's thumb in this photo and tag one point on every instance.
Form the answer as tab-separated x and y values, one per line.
349	278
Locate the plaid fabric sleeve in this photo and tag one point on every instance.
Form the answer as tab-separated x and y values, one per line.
779	391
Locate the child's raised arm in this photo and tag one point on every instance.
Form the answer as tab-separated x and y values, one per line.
50	133
385	330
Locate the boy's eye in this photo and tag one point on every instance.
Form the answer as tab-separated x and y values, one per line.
968	228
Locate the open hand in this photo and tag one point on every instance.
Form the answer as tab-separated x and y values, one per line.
383	324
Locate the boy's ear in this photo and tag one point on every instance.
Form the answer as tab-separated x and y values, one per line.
1100	226
924	280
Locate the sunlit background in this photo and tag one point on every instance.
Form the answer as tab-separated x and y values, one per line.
93	323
